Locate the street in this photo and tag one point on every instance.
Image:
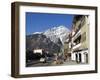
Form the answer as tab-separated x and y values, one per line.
38	64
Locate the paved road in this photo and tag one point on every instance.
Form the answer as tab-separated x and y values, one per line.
53	64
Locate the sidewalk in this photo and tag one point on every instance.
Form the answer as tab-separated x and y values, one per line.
71	63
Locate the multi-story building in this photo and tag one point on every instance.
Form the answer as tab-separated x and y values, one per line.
80	39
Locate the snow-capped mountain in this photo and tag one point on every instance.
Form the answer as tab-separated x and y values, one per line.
37	32
51	40
56	33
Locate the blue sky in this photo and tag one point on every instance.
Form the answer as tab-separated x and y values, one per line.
39	22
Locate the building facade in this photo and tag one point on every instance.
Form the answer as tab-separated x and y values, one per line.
80	39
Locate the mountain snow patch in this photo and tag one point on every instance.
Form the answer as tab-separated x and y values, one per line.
55	33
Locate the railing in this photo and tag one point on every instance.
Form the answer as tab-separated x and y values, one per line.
76	46
76	35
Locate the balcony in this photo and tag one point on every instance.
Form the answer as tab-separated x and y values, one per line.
76	46
78	33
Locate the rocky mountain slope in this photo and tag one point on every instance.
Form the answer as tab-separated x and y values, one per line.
51	40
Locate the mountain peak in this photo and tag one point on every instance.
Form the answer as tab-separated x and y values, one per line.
55	33
61	26
37	32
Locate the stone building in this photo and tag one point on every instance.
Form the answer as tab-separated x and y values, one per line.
80	39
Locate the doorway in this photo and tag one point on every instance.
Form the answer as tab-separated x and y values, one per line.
80	56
